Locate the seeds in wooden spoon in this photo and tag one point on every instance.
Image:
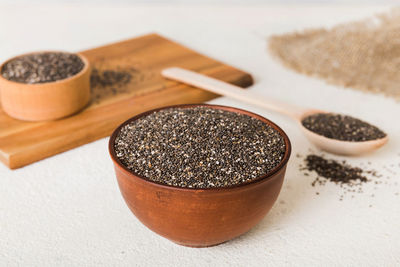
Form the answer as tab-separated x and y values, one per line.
42	67
342	127
199	147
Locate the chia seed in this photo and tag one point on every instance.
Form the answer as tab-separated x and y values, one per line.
342	127
107	82
199	147
335	171
109	78
42	67
351	179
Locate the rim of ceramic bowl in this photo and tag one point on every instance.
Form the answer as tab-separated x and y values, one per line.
86	66
288	148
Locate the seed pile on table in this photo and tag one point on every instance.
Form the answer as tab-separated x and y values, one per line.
334	171
199	147
42	67
342	127
110	77
351	179
104	83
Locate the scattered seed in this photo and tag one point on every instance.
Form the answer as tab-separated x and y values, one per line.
110	82
334	171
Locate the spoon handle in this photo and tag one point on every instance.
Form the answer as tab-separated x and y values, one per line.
222	88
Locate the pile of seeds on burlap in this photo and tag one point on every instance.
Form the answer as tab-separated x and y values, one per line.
362	55
342	127
199	147
42	67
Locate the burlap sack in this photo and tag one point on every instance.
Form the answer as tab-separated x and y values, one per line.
363	55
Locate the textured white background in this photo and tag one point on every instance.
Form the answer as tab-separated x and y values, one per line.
213	2
67	210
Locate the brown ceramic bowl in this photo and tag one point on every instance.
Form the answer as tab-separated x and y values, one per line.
46	101
200	217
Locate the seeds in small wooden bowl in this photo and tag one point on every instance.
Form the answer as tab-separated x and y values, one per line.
42	67
42	86
199	147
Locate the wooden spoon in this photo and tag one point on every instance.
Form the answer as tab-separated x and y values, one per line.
297	113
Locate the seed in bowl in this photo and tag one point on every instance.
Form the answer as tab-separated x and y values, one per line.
199	147
42	67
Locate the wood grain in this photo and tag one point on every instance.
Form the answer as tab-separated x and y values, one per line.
22	143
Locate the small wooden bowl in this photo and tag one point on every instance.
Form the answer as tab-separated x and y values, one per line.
46	101
200	217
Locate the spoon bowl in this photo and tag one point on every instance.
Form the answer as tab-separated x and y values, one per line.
297	113
340	147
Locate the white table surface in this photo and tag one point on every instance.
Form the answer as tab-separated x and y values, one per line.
67	210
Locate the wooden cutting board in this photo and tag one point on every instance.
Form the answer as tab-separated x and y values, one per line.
125	81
